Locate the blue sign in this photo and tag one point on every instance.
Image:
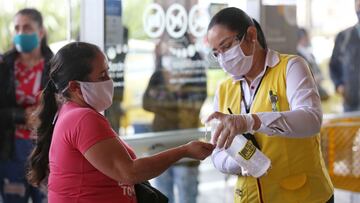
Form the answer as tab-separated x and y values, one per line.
113	7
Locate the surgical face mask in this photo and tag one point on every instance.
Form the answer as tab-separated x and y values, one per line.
305	49
98	95
26	43
234	61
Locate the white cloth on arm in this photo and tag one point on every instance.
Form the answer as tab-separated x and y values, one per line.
302	120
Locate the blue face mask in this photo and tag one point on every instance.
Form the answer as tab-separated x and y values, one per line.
26	42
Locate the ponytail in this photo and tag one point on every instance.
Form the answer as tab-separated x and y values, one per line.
261	37
39	158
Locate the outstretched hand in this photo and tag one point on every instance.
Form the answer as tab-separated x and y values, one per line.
199	150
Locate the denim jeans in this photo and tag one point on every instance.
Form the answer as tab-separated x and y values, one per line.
184	178
13	185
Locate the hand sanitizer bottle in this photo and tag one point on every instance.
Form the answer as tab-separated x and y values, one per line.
246	154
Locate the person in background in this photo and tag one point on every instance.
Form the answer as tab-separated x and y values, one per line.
83	157
115	112
304	50
273	98
345	65
176	105
23	74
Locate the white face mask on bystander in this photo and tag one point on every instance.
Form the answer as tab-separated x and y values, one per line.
98	95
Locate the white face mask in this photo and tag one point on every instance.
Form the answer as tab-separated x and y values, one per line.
98	95
234	61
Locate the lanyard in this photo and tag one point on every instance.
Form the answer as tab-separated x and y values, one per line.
249	136
247	108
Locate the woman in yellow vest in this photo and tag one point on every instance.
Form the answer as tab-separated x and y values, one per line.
274	97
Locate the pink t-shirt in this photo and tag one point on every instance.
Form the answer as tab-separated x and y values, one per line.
72	178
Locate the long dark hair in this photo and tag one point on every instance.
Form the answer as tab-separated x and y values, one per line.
35	16
238	21
72	62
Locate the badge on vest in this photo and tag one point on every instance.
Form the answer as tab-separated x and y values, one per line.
239	192
274	100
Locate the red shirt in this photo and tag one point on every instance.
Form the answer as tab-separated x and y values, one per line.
72	178
28	86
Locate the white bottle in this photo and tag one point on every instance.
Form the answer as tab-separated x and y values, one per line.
246	154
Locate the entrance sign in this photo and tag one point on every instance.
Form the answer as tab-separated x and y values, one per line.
176	21
154	20
198	20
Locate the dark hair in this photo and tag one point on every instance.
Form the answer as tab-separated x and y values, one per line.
238	21
35	16
301	33
72	62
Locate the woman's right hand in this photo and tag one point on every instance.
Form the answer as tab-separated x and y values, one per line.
198	150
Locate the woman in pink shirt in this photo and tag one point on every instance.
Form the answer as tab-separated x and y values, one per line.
83	158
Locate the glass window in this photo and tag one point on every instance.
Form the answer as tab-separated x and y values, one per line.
168	81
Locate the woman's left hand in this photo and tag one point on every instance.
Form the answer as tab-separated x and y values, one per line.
229	127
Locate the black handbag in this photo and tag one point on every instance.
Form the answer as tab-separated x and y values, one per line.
145	193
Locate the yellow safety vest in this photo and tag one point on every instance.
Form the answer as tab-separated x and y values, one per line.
298	172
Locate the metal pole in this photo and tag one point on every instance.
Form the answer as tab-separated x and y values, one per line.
69	22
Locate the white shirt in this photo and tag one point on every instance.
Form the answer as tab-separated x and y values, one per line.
302	120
